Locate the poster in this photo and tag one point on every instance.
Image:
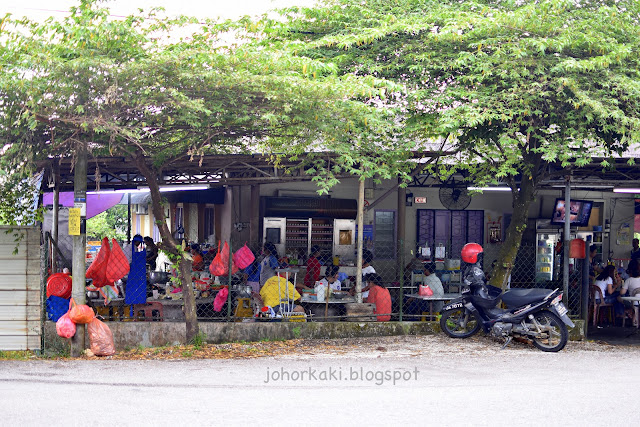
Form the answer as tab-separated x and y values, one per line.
74	221
624	235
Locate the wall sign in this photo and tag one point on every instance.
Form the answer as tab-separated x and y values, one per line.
421	200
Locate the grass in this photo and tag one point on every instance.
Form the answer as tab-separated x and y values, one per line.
199	340
17	355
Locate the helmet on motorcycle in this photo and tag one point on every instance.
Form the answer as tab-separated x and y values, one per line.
470	252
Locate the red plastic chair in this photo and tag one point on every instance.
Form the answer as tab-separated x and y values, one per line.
597	303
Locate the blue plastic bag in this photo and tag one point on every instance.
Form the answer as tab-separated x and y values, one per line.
56	307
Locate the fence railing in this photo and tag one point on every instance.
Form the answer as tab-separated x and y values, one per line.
276	288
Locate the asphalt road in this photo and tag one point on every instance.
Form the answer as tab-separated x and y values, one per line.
438	381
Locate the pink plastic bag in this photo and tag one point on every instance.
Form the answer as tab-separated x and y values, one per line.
243	257
425	291
221	298
65	326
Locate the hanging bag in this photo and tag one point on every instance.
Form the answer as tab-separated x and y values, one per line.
243	257
117	265
218	267
224	255
98	268
65	326
80	313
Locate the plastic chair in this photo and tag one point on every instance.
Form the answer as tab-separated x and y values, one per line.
148	310
596	295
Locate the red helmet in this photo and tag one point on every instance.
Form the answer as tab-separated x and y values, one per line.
470	252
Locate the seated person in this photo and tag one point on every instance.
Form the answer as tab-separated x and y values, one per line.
413	306
278	290
331	278
378	295
197	262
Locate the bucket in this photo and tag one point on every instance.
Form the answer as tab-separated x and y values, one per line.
577	249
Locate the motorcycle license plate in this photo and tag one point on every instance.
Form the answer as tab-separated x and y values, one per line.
561	309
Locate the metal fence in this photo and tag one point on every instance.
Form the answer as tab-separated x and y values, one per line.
276	288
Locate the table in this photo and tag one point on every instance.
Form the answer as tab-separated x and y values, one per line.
173	308
635	308
431	299
317	307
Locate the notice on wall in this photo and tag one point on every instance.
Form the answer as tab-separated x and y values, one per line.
74	221
624	235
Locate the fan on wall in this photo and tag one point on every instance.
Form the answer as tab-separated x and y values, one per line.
454	195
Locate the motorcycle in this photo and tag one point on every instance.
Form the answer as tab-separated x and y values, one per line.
534	314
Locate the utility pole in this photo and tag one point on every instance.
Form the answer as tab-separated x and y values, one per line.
567	240
79	242
359	223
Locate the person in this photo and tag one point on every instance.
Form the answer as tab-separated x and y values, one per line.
269	263
197	261
127	248
610	283
280	294
416	265
152	253
417	307
594	269
331	278
252	276
313	268
367	268
378	295
632	284
635	250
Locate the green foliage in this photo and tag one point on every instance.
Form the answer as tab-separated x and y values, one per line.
111	223
199	340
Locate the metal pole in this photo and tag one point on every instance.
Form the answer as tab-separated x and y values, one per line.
230	265
402	210
584	302
128	217
567	240
359	223
55	216
79	243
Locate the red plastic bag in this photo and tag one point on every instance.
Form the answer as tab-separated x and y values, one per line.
243	257
224	255
425	291
118	264
65	326
221	298
217	267
59	285
98	268
81	313
101	338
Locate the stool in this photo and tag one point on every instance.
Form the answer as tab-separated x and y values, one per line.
148	310
243	308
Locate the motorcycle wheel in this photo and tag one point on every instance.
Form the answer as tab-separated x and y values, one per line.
452	321
555	331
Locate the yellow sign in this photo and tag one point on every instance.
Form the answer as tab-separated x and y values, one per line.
74	221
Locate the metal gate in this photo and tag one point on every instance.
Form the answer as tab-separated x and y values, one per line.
20	306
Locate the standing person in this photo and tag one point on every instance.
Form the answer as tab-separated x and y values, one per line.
635	250
313	268
152	253
378	295
252	275
269	262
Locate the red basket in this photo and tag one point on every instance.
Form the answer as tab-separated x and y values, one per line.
59	285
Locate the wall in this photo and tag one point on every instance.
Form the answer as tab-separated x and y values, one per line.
20	306
617	208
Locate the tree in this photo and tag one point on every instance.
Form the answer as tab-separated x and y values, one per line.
111	223
158	90
514	86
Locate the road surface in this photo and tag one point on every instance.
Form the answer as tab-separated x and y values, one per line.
429	380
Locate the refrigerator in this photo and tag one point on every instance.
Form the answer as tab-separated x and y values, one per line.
546	260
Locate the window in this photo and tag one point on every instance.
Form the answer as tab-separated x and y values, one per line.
209	224
384	240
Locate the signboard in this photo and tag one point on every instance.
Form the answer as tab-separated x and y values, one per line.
421	200
74	221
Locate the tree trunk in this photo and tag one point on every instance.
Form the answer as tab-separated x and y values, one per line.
509	249
170	245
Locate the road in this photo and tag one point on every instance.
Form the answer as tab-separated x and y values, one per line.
438	381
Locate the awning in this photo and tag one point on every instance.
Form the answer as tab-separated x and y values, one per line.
96	203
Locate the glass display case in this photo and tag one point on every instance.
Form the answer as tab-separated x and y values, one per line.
545	256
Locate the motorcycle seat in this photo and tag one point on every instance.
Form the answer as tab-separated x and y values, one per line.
519	297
